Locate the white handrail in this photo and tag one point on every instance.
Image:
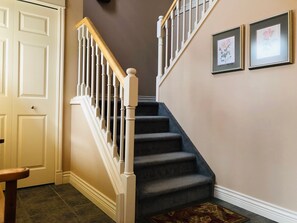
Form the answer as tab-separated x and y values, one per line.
176	29
102	79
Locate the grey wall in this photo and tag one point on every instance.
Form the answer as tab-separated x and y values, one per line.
129	29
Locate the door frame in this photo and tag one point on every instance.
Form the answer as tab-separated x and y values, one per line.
60	6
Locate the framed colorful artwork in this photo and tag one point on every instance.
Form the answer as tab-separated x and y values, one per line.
228	50
271	41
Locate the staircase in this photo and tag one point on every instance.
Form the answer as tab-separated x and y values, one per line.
169	170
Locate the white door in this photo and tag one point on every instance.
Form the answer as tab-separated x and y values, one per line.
34	97
6	35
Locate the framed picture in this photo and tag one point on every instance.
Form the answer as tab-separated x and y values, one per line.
271	41
228	50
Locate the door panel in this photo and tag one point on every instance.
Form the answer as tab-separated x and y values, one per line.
33	66
34	97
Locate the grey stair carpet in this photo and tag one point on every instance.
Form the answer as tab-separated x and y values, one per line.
169	170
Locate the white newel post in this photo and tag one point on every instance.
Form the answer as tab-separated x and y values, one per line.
160	36
130	102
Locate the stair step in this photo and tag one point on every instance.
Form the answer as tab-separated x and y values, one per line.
160	159
170	185
151	124
155	143
160	195
152	167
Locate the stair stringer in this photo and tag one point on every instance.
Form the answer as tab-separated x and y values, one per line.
187	144
105	149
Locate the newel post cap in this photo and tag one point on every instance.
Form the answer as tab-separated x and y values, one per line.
131	88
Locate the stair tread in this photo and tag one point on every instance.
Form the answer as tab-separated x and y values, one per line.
164	186
156	136
156	159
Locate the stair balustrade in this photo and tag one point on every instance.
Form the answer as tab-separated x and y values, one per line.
175	31
112	95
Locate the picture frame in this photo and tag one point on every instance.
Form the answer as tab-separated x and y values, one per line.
228	50
271	41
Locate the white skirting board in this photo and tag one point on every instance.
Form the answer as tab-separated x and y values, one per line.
254	205
100	200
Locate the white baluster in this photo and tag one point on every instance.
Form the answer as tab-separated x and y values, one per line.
115	114
172	33
79	35
190	18
92	99
122	129
109	86
197	12
102	120
160	46
203	7
160	37
83	83
166	45
87	90
97	109
184	22
177	27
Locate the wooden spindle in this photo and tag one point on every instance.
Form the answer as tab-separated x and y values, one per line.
115	114
197	12
79	73
97	109
93	60
102	120
109	86
122	129
166	44
172	33
203	7
83	83
190	18
160	37
87	89
177	27
184	22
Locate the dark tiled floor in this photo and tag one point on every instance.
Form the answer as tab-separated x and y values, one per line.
64	204
61	204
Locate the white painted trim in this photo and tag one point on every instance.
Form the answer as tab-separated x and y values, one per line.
255	205
60	95
107	205
98	198
56	4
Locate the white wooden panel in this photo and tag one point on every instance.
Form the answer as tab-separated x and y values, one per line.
3	67
34	23
33	70
3	17
2	136
32	141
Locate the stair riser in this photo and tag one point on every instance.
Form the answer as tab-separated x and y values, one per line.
153	205
146	126
165	170
141	109
156	147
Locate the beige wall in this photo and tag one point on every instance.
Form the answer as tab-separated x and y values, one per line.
74	13
86	161
244	123
129	28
